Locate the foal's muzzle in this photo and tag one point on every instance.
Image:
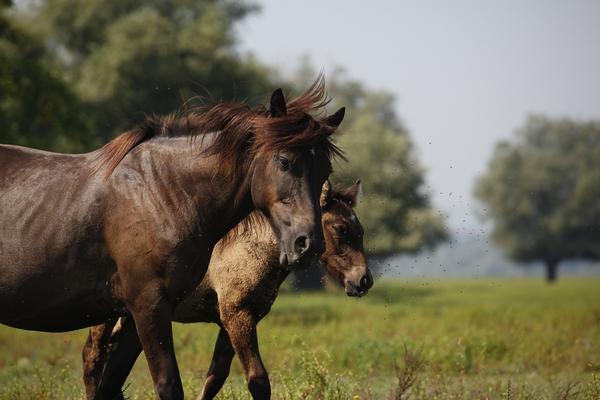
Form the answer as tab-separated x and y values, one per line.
360	288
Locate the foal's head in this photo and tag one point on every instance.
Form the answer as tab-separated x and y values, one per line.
344	257
292	162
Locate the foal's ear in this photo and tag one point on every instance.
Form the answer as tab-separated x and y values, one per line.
325	199
354	193
277	108
336	118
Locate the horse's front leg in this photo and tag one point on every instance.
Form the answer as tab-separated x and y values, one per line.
153	323
241	328
150	330
219	366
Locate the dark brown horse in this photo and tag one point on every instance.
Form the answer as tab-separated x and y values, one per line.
129	229
239	288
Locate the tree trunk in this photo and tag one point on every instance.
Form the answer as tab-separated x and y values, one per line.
551	270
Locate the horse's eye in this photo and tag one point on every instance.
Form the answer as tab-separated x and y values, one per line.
340	229
284	163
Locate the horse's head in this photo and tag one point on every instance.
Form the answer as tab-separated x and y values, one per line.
344	257
291	163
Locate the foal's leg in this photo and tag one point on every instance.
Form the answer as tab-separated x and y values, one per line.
241	327
124	351
94	356
219	366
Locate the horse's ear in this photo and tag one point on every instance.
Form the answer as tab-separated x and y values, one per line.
336	118
277	108
354	193
325	199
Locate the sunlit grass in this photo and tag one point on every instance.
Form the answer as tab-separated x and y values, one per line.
503	338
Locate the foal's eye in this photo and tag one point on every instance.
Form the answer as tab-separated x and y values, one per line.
284	163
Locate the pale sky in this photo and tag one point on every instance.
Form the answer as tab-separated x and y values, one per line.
465	73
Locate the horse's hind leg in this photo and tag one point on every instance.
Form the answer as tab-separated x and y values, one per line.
94	355
219	367
124	350
241	327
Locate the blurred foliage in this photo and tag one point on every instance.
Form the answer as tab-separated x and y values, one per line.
131	58
395	209
36	105
542	191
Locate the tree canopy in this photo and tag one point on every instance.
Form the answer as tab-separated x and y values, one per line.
132	58
542	189
395	208
37	108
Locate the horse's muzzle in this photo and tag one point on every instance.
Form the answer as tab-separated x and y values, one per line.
305	252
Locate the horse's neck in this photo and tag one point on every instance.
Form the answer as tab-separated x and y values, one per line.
188	178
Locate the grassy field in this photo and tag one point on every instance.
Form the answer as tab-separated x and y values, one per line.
463	339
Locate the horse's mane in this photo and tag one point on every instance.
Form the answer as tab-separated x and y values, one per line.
241	130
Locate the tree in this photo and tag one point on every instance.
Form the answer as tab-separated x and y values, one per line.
395	210
542	191
131	58
37	108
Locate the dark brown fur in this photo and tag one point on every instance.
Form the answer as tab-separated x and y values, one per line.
239	289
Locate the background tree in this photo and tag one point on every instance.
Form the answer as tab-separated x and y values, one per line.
395	209
130	58
542	192
37	108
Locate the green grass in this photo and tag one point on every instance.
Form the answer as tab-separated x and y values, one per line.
463	339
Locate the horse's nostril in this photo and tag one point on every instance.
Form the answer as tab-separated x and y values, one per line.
366	281
301	244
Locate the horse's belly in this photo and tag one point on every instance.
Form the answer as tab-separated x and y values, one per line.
54	297
64	317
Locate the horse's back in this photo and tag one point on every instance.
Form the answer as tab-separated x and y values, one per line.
41	193
49	213
20	166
